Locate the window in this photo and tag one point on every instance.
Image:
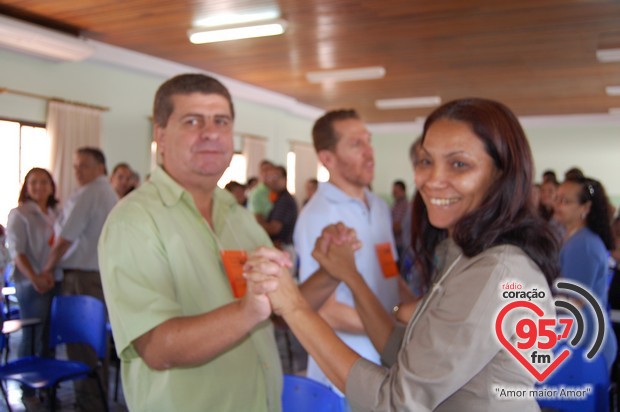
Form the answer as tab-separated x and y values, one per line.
237	171
322	174
303	165
22	147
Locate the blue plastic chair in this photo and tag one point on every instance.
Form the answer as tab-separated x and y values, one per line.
303	394
74	319
10	326
578	371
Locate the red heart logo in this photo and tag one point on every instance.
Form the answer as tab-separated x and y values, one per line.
540	376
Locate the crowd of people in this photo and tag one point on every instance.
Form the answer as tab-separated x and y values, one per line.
53	250
394	305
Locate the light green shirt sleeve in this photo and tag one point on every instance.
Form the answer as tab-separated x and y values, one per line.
137	278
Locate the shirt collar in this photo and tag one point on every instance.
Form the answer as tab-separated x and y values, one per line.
31	206
445	253
171	192
336	195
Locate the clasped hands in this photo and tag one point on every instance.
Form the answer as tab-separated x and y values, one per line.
267	269
44	282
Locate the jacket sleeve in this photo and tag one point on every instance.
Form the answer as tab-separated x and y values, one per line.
452	341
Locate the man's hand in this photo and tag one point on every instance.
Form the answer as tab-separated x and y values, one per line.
267	271
337	234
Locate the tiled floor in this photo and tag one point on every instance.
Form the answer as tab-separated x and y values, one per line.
292	354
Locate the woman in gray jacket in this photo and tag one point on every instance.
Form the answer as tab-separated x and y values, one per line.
476	236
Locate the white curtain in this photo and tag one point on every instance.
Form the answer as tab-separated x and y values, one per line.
70	127
306	166
254	151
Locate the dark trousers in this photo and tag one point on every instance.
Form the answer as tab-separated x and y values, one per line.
81	282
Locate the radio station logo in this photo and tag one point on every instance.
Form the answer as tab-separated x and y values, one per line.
542	342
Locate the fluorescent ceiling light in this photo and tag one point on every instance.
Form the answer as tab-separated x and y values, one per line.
36	40
408	102
612	90
614	111
236	32
226	19
608	55
363	73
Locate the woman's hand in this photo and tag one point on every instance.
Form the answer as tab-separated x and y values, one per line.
335	251
338	234
43	282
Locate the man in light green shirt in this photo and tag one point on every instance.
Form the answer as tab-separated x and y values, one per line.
259	201
185	342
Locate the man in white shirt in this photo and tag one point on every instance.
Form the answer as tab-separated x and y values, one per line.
343	145
75	251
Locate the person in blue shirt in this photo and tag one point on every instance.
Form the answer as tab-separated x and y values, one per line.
582	209
343	144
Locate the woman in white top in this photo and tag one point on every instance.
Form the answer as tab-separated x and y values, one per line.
30	232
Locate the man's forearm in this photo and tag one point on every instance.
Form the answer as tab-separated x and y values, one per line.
377	321
194	340
318	288
342	317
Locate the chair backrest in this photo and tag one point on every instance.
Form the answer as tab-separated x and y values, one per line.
578	371
79	319
303	394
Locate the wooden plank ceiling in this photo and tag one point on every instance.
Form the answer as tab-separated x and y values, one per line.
537	56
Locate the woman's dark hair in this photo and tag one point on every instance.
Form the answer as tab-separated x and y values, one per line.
23	193
573	173
598	219
506	215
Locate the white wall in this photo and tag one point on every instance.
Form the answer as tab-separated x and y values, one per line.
590	142
593	147
129	95
126	127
